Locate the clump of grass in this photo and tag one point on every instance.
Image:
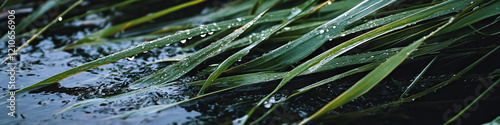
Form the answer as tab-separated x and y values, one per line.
305	34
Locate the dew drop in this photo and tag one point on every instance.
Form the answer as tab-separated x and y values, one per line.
203	35
329	2
334	27
60	18
238	19
183	41
210	33
286	28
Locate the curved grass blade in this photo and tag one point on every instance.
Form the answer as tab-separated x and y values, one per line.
234	8
432	89
99	10
495	121
275	16
322	82
306	44
483	12
436	10
417	78
89	13
249	66
33	16
455	77
42	30
116	28
325	57
116	40
472	103
372	78
226	82
204	40
178	69
358	12
428	13
403	34
3	4
255	41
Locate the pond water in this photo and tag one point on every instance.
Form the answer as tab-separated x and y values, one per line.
40	60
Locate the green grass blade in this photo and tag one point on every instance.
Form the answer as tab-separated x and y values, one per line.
306	44
259	77
256	6
417	78
255	41
37	13
181	35
317	35
321	59
455	77
495	121
43	30
226	82
403	34
482	13
178	69
317	84
372	78
259	65
430	12
205	40
99	10
116	28
472	103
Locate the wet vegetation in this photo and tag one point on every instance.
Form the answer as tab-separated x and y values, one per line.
254	61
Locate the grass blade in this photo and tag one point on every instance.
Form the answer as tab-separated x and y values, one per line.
306	44
272	17
99	10
358	12
373	78
114	29
417	78
482	13
455	77
43	30
3	4
472	103
256	6
37	13
256	41
178	69
259	77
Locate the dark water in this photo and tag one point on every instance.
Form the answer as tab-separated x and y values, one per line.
38	61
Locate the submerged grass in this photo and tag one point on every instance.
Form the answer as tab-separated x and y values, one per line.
261	41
